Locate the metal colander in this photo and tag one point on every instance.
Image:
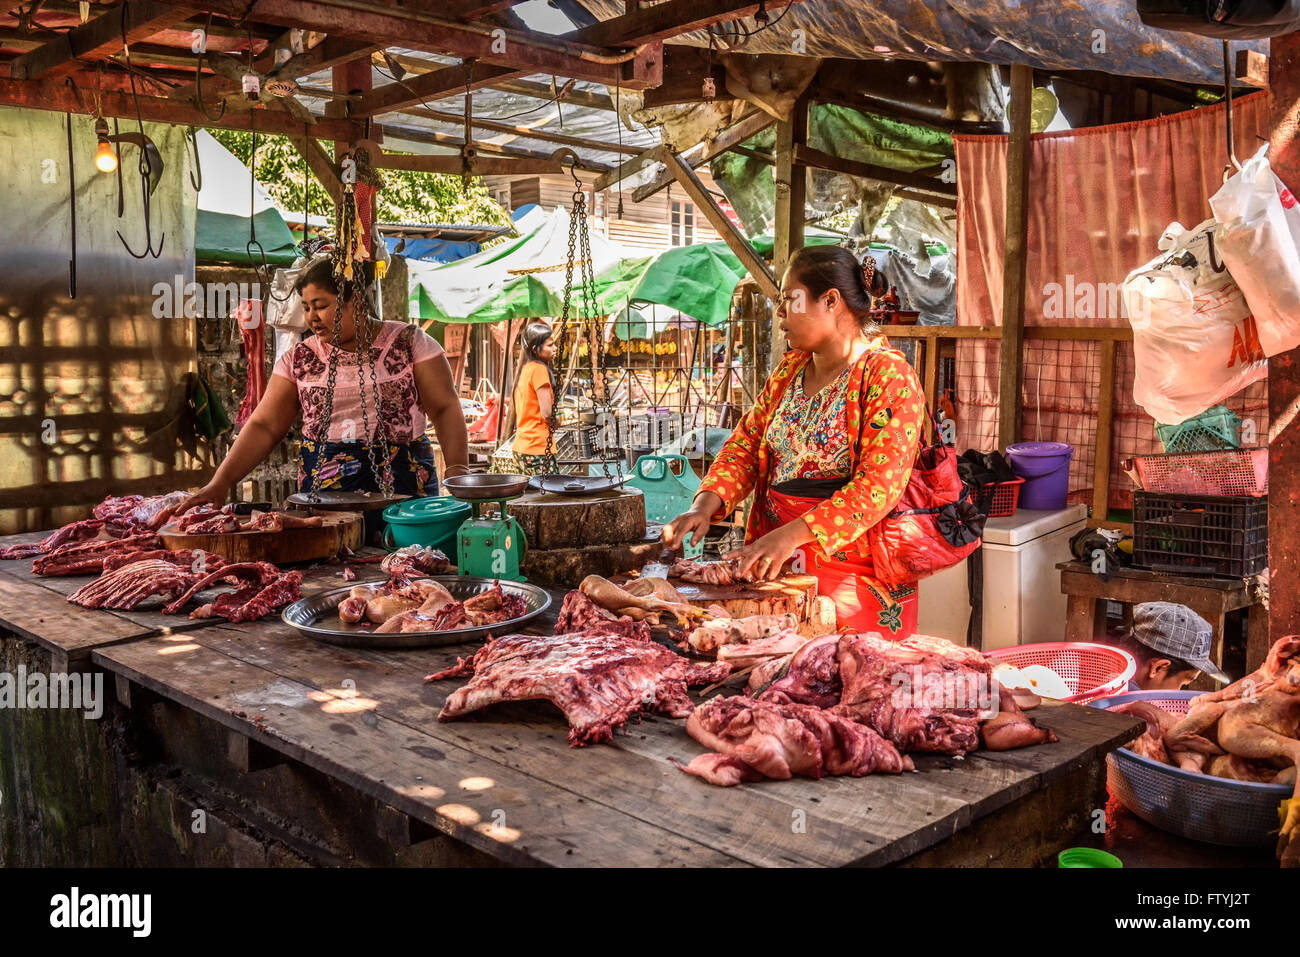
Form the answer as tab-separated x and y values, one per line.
1192	805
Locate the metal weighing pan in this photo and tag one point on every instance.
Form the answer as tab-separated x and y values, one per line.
332	501
485	486
317	616
576	484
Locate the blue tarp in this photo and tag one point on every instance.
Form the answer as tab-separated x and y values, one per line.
432	250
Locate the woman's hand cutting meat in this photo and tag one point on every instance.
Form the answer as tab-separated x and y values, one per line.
763	558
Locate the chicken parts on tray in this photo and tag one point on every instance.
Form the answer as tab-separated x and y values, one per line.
422	604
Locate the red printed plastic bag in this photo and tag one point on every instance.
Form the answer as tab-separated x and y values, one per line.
1259	238
1195	341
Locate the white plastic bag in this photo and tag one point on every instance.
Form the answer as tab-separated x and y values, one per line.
1194	339
1259	240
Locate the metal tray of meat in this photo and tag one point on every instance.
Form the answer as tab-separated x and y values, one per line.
317	616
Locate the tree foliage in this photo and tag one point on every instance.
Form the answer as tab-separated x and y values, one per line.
406	197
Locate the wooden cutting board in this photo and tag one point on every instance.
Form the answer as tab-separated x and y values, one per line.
789	594
284	547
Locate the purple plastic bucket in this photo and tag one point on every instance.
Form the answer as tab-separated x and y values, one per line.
1045	467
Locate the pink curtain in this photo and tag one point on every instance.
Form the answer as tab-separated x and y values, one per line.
1099	198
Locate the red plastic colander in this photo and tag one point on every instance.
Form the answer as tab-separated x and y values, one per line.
1089	670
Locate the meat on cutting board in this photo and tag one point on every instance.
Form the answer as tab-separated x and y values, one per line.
782	741
598	680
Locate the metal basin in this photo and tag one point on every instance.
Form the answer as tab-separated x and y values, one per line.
485	486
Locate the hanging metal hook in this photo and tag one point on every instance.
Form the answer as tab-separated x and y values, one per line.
196	174
1227	87
72	213
150	164
261	268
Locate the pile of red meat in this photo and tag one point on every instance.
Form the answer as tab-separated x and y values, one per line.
599	678
854	704
121	544
119	525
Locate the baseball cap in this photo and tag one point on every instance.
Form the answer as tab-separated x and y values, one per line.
1177	631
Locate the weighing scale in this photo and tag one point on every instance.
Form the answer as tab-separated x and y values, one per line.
489	546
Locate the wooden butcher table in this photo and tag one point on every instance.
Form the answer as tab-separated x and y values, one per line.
325	755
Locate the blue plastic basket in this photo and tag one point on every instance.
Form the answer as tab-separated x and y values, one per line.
1196	806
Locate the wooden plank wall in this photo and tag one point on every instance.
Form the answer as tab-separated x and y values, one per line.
644	227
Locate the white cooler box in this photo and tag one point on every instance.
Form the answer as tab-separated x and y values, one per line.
1023	602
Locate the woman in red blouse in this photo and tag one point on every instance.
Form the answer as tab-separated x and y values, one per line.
827	448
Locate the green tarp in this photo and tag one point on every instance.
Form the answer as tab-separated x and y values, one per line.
840	131
698	280
221	232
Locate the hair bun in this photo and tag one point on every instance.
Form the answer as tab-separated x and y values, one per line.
868	273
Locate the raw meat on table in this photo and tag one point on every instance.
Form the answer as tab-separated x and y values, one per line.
780	645
131	584
83	557
712	635
758	739
811	676
580	613
237	573
598	680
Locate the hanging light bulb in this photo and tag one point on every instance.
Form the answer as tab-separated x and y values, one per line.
105	158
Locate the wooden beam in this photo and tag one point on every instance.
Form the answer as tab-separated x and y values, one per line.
668	19
791	175
471	9
329	53
59	97
1015	259
735	240
434	85
750	126
589	98
930	199
319	162
819	160
375	22
446	139
1283	378
97	37
543	135
1105	430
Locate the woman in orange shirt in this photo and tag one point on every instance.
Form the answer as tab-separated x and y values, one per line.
534	398
827	449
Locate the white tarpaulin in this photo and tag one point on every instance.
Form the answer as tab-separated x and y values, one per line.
520	280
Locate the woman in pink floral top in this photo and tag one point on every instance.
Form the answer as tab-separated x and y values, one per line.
827	448
414	385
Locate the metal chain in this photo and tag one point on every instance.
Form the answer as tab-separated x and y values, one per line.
322	435
366	358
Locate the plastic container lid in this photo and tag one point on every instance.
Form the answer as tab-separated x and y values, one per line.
1040	448
423	511
1086	857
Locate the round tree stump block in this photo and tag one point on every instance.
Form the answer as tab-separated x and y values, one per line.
551	521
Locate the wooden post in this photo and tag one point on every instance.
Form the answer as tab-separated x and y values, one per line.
1014	260
791	189
1284	371
353	77
1105	431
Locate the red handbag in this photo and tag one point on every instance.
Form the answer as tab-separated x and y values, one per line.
935	524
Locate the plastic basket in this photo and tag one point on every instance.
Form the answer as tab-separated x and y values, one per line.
1193	805
1006	495
1215	428
1226	472
1089	670
1225	536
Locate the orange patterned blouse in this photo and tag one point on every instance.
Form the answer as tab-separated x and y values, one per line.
885	410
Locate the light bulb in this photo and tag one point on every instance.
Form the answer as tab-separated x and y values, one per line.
105	158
